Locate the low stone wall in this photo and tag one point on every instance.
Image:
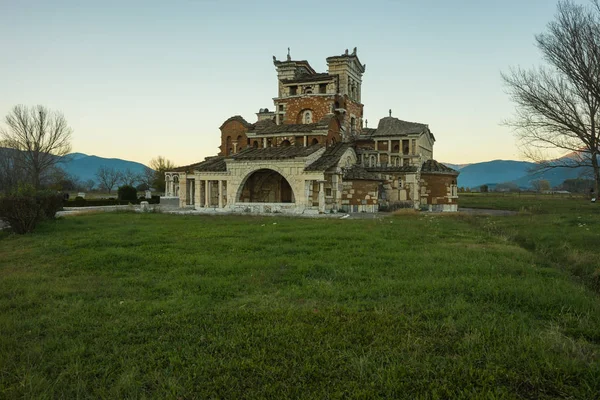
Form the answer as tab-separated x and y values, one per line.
169	201
266	208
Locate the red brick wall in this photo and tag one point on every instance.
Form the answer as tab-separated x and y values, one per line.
319	105
437	188
233	129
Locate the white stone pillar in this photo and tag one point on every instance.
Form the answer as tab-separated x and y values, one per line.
235	148
321	196
182	191
197	192
206	194
305	140
389	146
264	142
220	193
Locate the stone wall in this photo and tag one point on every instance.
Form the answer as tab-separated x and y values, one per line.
437	189
359	195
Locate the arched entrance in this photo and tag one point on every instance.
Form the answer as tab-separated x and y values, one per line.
266	186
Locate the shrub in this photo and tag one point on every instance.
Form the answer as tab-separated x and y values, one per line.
80	201
128	193
50	203
21	212
24	208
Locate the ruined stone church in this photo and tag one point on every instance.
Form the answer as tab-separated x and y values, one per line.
312	153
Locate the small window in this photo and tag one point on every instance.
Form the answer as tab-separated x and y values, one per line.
328	192
293	90
308	90
307	118
285	143
281	107
255	144
314	141
323	88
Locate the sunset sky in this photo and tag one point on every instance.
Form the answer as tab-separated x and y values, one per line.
136	79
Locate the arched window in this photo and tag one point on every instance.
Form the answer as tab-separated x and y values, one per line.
255	144
308	90
397	148
285	143
372	161
307	117
314	141
240	143
352	124
228	145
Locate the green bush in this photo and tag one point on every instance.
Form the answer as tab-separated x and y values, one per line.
128	193
24	208
80	202
50	203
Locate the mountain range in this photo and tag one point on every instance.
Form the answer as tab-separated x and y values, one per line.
84	167
521	173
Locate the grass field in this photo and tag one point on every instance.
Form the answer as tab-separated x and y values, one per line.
414	306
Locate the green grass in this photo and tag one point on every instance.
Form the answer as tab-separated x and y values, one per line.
563	231
162	306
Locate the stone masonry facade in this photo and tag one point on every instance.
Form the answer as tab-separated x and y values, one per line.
313	153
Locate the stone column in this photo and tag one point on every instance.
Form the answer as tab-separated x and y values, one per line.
220	193
197	193
182	191
389	146
305	140
235	148
321	196
206	194
264	142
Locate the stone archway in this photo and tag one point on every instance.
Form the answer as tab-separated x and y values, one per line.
265	186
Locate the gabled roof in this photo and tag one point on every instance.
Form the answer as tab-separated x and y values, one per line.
432	166
210	164
391	126
390	168
329	158
357	172
238	118
275	153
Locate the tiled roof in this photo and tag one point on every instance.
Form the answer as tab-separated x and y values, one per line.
391	126
390	168
366	132
432	166
359	173
210	164
275	153
329	158
238	118
287	128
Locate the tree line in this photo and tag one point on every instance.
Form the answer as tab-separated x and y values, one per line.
33	145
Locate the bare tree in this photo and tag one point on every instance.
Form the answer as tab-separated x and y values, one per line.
108	177
42	137
558	106
148	177
130	178
541	185
11	170
89	185
161	165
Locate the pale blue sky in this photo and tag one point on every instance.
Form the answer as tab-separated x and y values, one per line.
136	79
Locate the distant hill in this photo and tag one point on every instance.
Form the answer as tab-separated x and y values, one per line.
497	171
84	167
457	167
